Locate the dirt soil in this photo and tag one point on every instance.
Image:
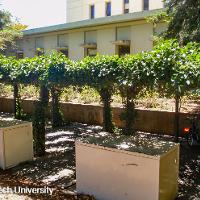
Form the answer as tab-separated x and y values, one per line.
57	169
150	103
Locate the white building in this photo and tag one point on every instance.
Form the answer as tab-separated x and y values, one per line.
78	10
96	26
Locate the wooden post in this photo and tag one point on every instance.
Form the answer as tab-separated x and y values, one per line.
177	116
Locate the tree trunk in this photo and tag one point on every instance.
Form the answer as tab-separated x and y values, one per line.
44	95
130	113
177	116
39	121
56	115
17	103
108	125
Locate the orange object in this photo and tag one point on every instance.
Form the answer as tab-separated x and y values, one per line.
186	130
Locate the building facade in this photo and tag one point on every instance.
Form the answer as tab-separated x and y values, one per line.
96	26
78	10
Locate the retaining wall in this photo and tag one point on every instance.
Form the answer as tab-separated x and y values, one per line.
161	122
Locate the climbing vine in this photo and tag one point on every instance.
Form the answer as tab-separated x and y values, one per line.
39	117
57	116
169	68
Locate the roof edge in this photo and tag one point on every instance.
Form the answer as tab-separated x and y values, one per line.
92	22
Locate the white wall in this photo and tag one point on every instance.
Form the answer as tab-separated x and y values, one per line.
76	52
155	4
29	47
141	38
74	10
63	40
78	10
50	43
91	37
135	5
124	33
105	37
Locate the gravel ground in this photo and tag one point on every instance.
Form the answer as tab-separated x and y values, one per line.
14	197
57	169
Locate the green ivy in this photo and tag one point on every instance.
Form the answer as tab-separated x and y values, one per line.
39	117
169	68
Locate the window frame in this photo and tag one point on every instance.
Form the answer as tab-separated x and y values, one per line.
145	3
92	11
19	55
125	4
64	51
39	51
87	52
108	13
119	50
59	44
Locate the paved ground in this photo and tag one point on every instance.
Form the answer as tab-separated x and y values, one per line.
57	168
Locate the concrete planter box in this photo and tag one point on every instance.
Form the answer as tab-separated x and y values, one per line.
16	142
126	169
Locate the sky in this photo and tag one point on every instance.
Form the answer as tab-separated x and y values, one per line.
36	13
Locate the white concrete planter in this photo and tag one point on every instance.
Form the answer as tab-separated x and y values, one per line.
140	172
16	143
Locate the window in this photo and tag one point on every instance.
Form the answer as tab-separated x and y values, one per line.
39	46
62	40
90	43
39	51
64	51
91	52
146	5
92	12
126	6
19	55
126	11
108	8
62	44
123	50
123	40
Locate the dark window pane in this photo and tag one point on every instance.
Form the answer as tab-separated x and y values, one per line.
126	11
39	51
92	12
19	55
126	6
64	51
108	9
123	50
146	5
91	52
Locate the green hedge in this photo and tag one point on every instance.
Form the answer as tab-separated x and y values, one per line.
166	65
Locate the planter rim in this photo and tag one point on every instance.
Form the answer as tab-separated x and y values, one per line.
8	122
129	145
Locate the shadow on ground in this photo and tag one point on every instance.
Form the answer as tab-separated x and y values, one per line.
57	168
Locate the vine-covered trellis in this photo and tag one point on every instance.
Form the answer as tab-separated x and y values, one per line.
168	68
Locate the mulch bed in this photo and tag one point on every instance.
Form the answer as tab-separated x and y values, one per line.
8	179
50	169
